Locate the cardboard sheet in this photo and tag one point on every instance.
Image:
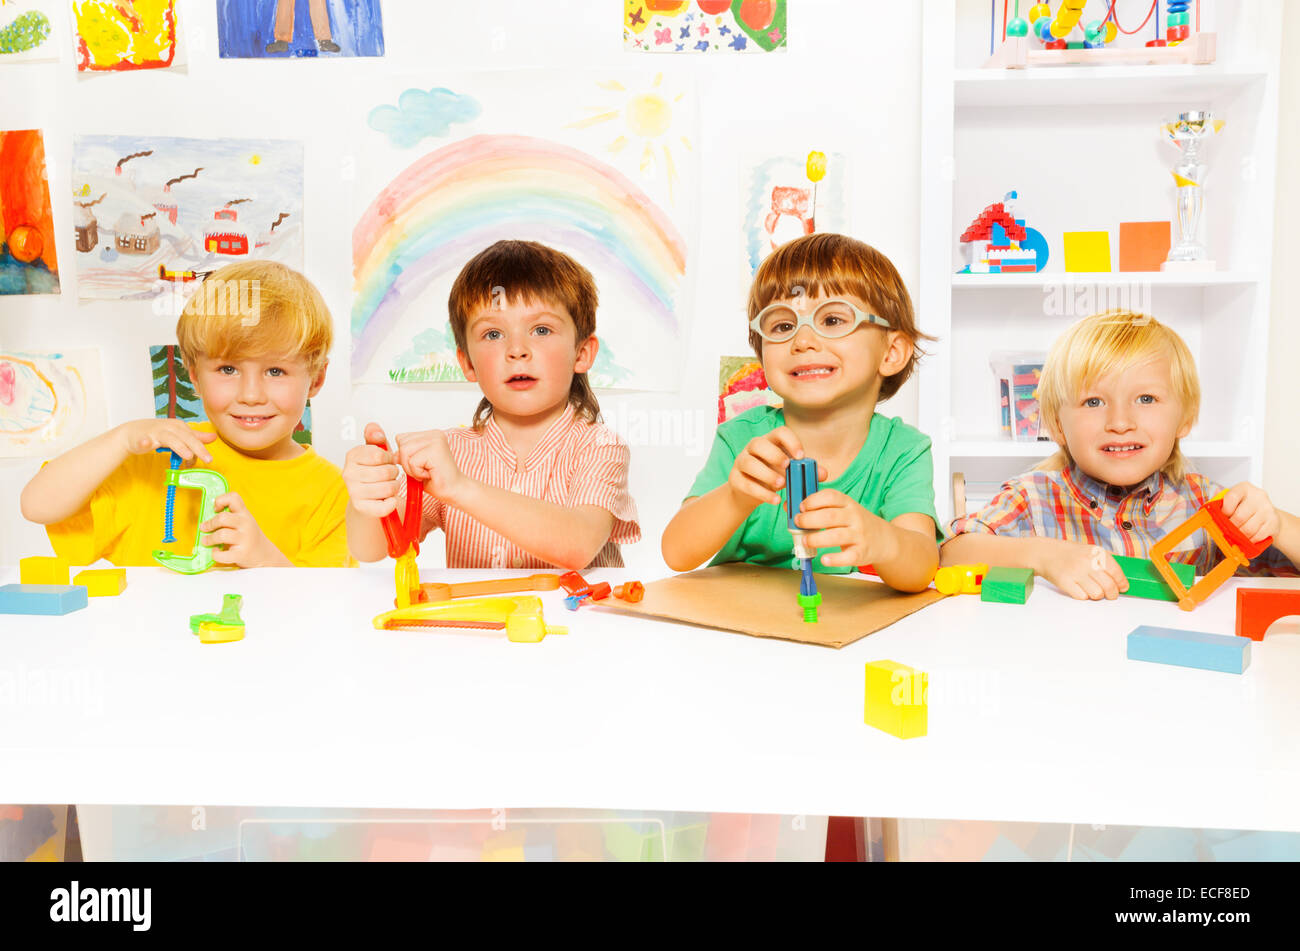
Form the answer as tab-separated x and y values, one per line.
762	602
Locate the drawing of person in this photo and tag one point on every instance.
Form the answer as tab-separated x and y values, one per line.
320	24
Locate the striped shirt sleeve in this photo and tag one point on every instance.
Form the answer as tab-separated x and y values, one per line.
600	479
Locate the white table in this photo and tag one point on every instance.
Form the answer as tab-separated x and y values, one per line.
1035	713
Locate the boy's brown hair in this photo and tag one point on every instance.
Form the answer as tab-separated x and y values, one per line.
526	270
835	264
253	308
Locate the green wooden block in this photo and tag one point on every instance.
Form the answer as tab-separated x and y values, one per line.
1007	585
1145	582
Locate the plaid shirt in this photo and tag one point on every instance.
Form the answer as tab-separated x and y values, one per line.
1073	506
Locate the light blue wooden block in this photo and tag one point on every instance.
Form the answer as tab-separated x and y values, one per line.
1167	645
42	598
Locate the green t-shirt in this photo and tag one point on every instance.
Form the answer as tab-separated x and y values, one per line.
892	475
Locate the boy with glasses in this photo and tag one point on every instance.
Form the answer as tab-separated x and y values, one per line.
832	323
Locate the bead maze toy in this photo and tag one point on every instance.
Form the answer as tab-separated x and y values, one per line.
520	616
224	627
1167	645
1064	42
801	482
1237	551
1257	608
211	484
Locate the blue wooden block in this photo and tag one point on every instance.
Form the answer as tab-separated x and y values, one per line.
1167	645
42	598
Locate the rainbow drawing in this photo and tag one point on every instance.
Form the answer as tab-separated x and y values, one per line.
457	200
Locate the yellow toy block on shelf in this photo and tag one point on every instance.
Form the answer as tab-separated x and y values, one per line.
1087	251
896	699
102	582
42	570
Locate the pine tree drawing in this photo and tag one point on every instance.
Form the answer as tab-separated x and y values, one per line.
173	391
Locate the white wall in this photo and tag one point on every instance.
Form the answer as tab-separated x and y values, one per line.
849	83
1282	447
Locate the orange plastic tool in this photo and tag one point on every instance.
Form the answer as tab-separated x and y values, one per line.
1237	552
438	591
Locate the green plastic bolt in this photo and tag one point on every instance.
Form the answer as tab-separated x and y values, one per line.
809	603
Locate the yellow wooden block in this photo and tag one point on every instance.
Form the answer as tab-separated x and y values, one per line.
504	847
1087	250
896	699
102	582
43	570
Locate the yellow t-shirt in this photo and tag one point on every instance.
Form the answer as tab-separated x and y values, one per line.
298	503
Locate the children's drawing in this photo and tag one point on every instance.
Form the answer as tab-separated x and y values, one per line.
27	261
603	171
174	396
49	401
741	386
788	196
153	214
704	26
299	28
27	30
126	35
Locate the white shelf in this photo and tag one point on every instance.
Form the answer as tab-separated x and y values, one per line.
1098	85
1045	279
1007	449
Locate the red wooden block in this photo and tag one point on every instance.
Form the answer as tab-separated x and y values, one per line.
1257	608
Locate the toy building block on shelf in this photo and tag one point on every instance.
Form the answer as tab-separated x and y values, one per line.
997	242
896	699
1237	551
960	579
1144	581
1257	608
1167	645
1007	585
50	599
102	582
40	569
221	628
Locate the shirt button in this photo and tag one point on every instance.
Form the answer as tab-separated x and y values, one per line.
517	562
1127	525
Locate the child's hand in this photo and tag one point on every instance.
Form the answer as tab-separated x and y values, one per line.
372	476
427	457
1252	512
758	474
1084	572
844	524
146	435
235	527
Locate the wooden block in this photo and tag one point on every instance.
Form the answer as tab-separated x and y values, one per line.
1144	580
1167	645
42	570
1087	251
1007	585
102	582
53	599
1143	245
896	699
1257	608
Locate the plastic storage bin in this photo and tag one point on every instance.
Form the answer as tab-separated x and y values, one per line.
132	833
1018	373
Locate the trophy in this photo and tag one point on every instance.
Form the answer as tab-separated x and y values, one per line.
1188	254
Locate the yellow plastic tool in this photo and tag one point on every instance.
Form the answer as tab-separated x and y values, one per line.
960	579
521	616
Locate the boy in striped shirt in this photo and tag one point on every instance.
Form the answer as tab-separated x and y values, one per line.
536	481
1118	391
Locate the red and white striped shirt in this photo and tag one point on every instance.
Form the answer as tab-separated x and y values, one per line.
574	463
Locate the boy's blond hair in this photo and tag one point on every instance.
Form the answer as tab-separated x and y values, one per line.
834	264
254	308
1107	342
512	271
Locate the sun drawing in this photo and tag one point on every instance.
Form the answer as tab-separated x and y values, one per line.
648	118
